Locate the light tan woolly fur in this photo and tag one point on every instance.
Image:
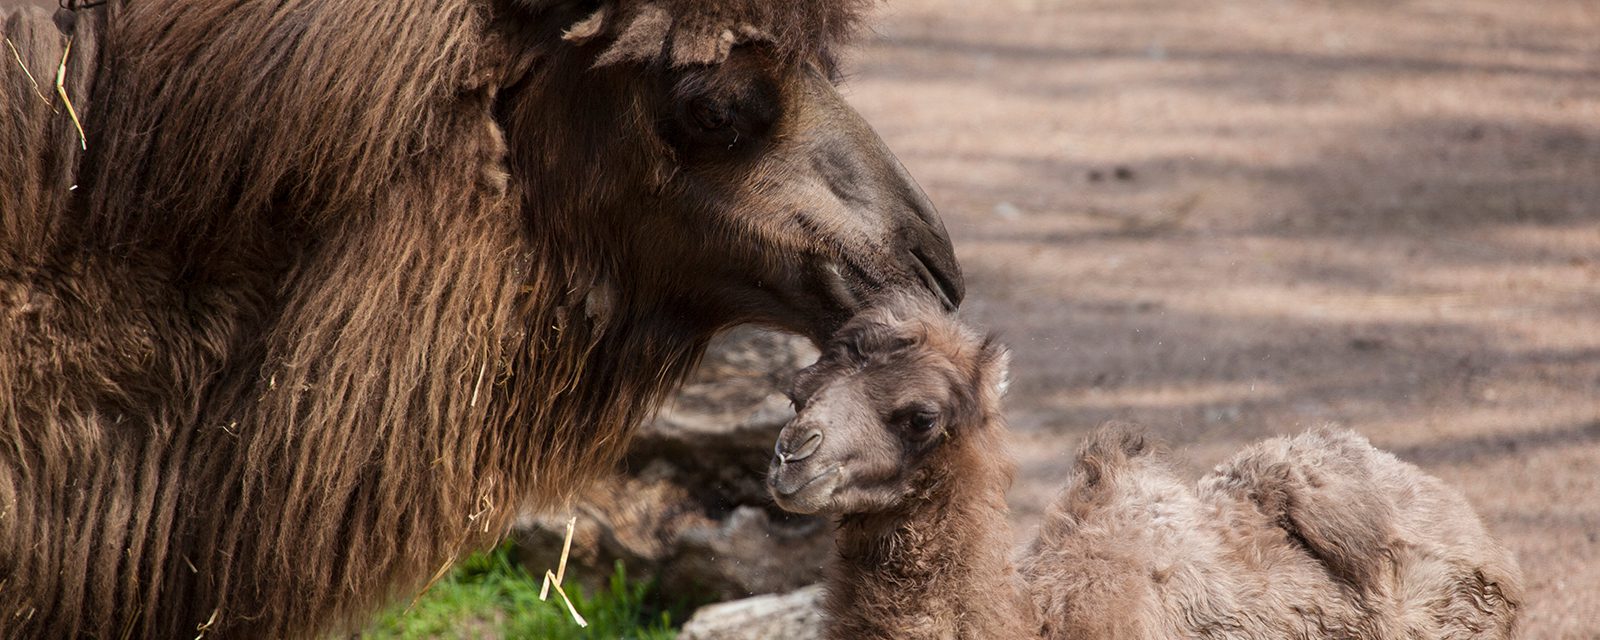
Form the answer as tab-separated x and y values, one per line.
1313	536
1309	537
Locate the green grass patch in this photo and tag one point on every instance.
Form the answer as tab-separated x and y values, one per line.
491	596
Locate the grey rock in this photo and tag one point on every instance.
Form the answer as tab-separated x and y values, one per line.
791	616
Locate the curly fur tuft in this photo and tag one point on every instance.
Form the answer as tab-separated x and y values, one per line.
687	32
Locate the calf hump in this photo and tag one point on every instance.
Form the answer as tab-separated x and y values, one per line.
1111	449
1108	455
1319	488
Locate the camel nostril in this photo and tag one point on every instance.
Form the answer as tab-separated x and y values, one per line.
808	446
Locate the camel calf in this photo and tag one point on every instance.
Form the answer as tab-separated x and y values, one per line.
900	435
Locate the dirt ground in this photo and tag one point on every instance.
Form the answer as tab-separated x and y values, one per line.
1240	218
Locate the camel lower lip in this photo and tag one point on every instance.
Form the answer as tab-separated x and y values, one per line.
833	277
791	492
938	286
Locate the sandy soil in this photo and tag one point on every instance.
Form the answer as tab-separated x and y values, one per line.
1240	218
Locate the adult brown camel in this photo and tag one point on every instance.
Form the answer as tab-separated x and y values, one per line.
329	289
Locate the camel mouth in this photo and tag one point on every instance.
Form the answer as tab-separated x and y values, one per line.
805	496
848	291
939	283
778	488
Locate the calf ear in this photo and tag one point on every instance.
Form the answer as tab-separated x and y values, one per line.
994	368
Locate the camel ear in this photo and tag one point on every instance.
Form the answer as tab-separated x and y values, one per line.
574	21
587	28
649	30
711	44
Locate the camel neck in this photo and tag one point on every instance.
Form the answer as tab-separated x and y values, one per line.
937	568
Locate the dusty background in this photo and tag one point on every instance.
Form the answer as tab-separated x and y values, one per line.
1234	219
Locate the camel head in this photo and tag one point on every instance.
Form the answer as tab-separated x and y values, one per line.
881	411
729	179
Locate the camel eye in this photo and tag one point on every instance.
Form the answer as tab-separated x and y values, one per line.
923	421
708	115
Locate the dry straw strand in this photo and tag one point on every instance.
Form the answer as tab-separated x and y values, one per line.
206	627
566	548
478	384
127	628
560	574
561	567
437	575
17	55
568	601
61	89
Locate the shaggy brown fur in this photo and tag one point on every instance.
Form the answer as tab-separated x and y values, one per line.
1312	537
342	285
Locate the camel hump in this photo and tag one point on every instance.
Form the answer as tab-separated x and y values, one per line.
1320	487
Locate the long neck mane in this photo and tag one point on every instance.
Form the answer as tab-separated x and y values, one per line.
939	566
335	359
